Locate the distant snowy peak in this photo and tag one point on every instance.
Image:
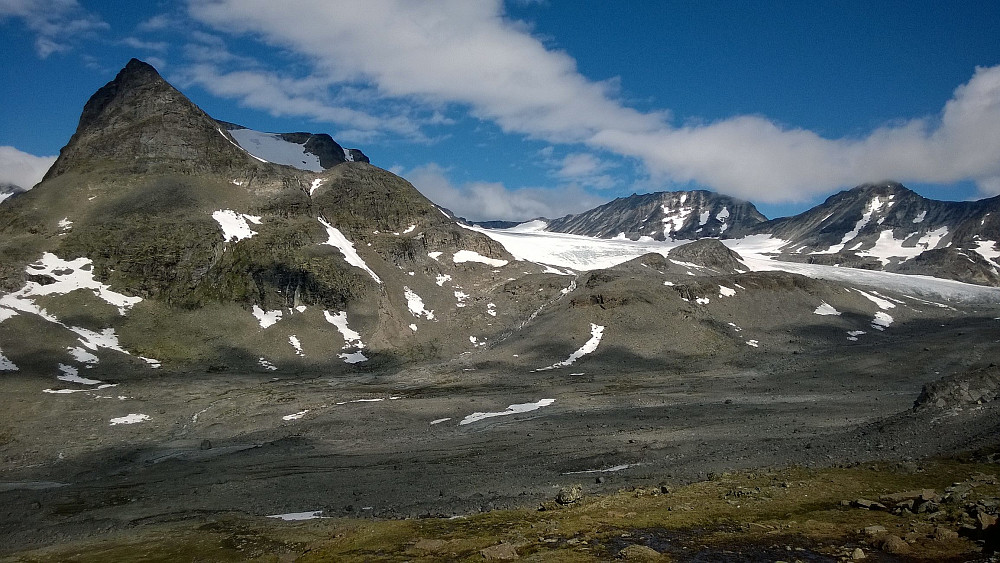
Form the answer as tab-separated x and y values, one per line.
9	190
684	215
886	226
313	152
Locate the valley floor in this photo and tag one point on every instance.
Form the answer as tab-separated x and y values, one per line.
406	444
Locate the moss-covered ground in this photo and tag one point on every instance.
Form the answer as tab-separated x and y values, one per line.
790	514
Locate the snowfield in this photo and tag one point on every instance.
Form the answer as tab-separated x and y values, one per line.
271	147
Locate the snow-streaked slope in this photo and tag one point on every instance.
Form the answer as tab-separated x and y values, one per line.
272	148
587	253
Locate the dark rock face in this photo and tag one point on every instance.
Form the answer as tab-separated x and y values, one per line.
665	215
710	253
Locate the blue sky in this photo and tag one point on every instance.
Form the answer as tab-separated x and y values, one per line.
516	109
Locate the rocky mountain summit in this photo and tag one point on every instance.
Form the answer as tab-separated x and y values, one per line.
194	245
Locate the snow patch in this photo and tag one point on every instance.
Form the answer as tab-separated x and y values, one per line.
235	226
270	147
72	375
297	516
266	364
6	364
69	275
81	355
435	255
920	218
295	416
491	309
133	418
266	318
315	185
512	409
472	256
295	344
726	291
596	333
881	321
825	309
461	296
882	303
440	420
753	343
416	305
338	240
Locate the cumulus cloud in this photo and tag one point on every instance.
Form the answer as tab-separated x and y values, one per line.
22	169
56	23
468	55
480	201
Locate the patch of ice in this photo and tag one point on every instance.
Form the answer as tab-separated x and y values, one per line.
235	225
296	344
416	305
270	147
726	291
881	321
512	409
133	418
440	420
825	309
596	333
753	343
471	256
266	318
295	416
338	240
266	364
297	516
442	278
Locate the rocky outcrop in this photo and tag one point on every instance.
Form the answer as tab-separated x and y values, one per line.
961	389
710	253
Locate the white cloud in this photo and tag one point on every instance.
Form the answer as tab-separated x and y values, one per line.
22	169
468	55
585	169
479	201
56	23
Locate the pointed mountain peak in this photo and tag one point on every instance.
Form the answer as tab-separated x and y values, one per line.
139	123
